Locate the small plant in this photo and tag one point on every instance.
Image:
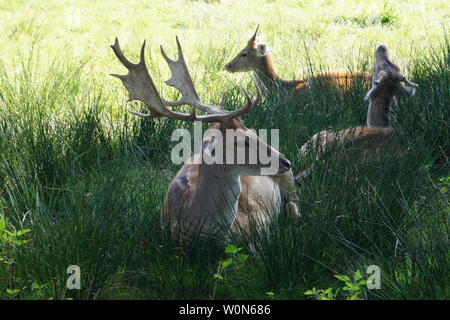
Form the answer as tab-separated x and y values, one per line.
444	185
235	260
353	287
15	287
351	290
8	240
322	294
35	291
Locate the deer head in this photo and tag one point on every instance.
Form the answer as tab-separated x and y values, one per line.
251	58
387	83
242	150
218	144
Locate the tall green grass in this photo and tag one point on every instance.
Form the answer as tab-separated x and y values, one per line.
89	180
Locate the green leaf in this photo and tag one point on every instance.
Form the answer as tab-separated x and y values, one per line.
218	276
227	262
242	257
342	277
328	291
231	248
22	232
2	224
349	284
310	292
12	291
357	275
37	286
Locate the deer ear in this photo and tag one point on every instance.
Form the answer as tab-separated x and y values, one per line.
407	91
261	49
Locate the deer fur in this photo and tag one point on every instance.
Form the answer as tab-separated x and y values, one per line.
210	200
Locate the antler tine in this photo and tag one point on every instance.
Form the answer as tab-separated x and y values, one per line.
163	53
253	38
251	104
255	102
256	32
142	55
180	51
119	54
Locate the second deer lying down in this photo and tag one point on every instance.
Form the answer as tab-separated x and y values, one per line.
257	57
209	197
377	137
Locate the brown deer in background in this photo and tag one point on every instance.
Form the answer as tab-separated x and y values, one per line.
378	137
212	199
257	57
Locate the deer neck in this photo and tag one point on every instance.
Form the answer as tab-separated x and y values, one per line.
216	198
265	76
378	113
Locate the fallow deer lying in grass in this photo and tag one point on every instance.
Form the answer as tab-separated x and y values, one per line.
378	137
257	57
212	199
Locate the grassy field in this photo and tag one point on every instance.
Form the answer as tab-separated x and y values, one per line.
82	181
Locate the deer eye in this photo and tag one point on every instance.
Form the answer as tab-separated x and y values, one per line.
243	55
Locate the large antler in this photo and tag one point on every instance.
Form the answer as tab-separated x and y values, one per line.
140	86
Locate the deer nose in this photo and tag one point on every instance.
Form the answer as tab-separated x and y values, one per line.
228	66
286	163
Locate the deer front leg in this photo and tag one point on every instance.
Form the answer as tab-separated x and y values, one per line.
292	211
289	195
